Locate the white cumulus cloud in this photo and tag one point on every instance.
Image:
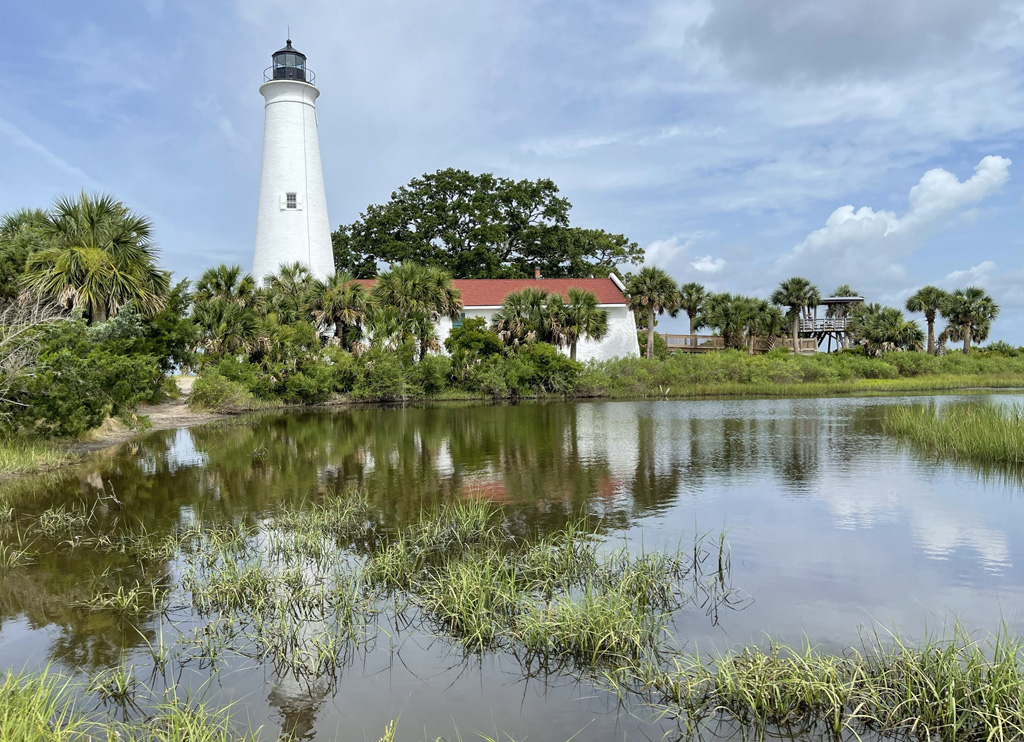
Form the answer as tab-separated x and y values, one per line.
707	264
661	252
865	244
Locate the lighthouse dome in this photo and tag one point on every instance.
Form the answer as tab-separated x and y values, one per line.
290	64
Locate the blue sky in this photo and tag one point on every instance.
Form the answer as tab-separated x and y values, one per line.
869	142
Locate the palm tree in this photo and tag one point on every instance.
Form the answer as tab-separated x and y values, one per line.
228	283
341	302
930	300
226	328
879	328
797	294
419	294
653	290
523	317
970	309
289	290
100	256
582	317
760	319
728	315
692	298
771	323
16	223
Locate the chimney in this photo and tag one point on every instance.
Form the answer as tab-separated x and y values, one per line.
536	274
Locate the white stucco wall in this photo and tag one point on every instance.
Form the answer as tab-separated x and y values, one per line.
291	164
620	341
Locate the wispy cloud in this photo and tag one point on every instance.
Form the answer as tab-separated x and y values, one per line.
20	139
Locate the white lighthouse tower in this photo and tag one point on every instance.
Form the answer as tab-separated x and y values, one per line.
291	224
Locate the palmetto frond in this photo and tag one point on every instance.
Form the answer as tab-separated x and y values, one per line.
102	257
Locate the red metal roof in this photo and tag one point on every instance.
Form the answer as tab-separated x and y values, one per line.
490	292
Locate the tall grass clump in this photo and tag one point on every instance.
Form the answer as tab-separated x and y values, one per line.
983	433
562	597
40	708
23	455
956	689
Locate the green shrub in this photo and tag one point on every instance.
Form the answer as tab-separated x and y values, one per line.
78	383
489	378
385	377
213	391
431	373
473	337
912	363
344	368
313	384
538	368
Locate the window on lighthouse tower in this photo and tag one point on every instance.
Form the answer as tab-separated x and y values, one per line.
291	200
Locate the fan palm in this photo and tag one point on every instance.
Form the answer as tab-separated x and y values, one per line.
100	256
289	290
522	317
228	283
653	290
930	300
728	315
969	309
582	317
340	301
797	294
226	328
879	328
416	291
692	297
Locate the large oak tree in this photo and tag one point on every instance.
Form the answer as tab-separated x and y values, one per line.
479	226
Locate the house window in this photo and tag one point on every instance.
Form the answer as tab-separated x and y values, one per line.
458	322
291	200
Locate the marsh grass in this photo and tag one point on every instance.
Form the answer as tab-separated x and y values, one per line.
117	684
562	597
40	708
982	433
952	689
21	456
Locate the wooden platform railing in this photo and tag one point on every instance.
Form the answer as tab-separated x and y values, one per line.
705	343
694	343
824	324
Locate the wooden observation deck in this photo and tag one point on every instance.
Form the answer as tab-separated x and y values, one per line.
812	331
832	328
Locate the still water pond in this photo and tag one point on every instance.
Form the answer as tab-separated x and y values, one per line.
833	527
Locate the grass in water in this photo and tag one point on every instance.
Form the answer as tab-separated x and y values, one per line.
49	708
20	456
982	433
955	690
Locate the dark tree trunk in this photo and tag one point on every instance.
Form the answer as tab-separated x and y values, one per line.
967	339
99	313
572	350
691	323
931	336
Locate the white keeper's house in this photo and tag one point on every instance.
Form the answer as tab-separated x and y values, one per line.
482	297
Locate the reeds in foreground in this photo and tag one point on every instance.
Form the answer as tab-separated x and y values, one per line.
982	433
49	708
956	689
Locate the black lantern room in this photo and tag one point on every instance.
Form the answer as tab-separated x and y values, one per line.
289	64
